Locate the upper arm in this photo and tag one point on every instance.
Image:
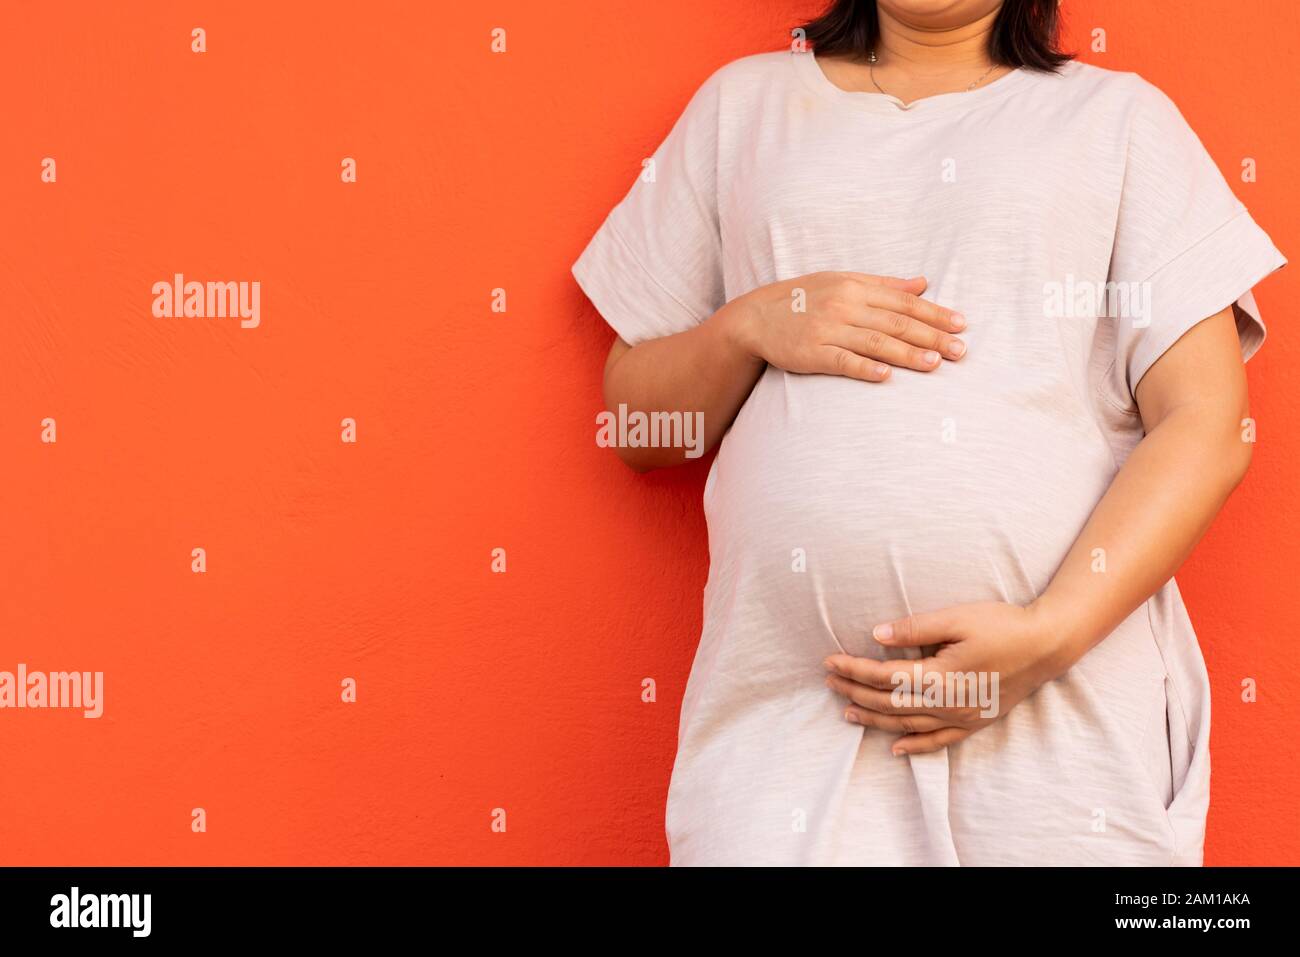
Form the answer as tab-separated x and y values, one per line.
1203	368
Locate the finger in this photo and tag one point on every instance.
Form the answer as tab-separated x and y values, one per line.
870	671
906	723
914	284
912	331
930	628
882	702
929	741
834	360
875	344
932	314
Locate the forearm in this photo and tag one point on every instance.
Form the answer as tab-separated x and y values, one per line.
704	370
854	325
1157	508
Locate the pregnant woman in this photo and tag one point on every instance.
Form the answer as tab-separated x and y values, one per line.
966	320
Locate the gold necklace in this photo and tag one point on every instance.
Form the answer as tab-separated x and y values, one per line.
871	66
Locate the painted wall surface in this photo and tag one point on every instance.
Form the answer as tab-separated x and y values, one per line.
372	560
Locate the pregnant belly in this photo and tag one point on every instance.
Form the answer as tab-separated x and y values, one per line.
834	505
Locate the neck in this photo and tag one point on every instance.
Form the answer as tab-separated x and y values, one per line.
935	50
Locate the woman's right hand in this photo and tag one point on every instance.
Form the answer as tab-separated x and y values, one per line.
851	324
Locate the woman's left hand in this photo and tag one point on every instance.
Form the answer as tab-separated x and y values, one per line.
1010	650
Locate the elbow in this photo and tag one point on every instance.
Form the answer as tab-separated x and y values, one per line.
1240	452
1223	439
1239	443
1232	453
609	435
635	459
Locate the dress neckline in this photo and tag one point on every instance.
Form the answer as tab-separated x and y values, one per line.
886	104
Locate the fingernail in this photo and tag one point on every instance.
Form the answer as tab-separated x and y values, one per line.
850	717
956	348
882	632
882	371
897	752
930	358
828	665
958	321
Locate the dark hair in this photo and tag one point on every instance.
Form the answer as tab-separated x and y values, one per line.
1024	33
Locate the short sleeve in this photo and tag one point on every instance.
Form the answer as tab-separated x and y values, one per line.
654	268
1185	247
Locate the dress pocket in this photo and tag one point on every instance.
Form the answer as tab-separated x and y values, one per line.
1155	747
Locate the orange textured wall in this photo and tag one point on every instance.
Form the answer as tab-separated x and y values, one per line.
475	428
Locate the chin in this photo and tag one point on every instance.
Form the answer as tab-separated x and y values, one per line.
937	14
